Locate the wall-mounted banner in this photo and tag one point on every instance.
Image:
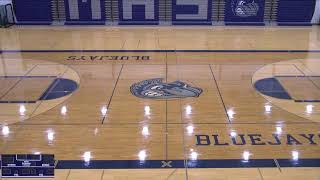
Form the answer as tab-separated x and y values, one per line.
139	12
33	12
244	11
85	11
295	11
191	11
176	12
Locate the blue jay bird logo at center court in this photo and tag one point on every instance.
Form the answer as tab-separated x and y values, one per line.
245	8
156	89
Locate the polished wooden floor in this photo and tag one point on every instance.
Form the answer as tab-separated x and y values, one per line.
103	117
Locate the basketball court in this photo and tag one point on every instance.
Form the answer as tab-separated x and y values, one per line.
160	89
109	113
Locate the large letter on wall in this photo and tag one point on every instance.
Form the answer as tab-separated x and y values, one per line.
138	11
73	9
316	14
191	11
85	11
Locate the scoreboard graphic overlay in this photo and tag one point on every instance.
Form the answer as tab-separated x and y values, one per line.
27	165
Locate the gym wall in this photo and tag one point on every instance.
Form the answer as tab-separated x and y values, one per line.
168	12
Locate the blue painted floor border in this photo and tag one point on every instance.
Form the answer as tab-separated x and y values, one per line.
216	163
226	51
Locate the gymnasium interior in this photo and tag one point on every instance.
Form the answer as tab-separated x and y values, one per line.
160	89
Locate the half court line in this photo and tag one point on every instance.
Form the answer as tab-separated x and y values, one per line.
114	88
166	135
216	83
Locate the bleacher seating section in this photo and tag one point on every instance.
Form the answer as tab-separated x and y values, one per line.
168	12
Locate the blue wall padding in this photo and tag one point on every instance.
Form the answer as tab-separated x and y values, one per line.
33	10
